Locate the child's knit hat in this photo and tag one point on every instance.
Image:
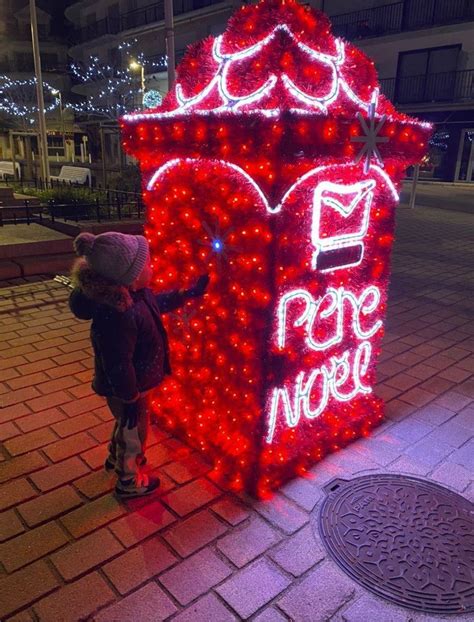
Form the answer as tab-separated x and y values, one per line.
115	256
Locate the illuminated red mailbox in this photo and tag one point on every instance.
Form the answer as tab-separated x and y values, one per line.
274	165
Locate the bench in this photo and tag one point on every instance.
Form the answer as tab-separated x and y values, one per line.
8	170
73	175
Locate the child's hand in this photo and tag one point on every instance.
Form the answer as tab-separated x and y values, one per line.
200	287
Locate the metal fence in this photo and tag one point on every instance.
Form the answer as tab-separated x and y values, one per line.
446	86
401	16
110	205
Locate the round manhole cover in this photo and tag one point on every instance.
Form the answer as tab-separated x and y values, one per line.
407	540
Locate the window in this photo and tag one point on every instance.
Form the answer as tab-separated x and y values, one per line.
427	75
49	61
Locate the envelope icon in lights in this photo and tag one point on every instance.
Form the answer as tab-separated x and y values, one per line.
341	215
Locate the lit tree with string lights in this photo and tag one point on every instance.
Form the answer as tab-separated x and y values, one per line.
111	92
18	103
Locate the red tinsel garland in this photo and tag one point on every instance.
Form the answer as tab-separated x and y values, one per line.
252	175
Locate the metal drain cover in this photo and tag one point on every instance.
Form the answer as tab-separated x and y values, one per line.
405	539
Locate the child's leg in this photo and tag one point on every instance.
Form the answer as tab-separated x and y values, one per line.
114	407
143	427
126	439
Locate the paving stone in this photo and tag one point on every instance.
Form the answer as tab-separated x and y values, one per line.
246	543
429	452
21	588
141	524
318	596
31	545
452	475
282	513
231	510
20	396
148	604
270	614
299	553
409	466
464	456
76	601
95	484
206	609
93	515
84	554
411	430
29	380
49	505
397	410
53	386
418	397
64	370
403	381
96	456
454	401
86	404
8	430
368	608
465	418
250	589
434	414
195	576
48	401
40	419
21	466
186	470
139	564
191	496
103	432
10	525
188	536
15	492
303	492
451	433
467	388
30	441
10	413
58	474
69	446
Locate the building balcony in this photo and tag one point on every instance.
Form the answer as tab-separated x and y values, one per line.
451	87
138	18
402	16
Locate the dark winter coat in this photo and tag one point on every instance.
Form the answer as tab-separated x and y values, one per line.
128	337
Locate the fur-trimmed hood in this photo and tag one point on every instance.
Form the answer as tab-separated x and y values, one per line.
98	289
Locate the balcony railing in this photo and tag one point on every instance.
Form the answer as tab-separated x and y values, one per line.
401	16
139	17
444	87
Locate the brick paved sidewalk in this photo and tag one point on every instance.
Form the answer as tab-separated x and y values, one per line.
195	553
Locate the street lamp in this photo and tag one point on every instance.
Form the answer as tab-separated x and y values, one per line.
57	93
134	66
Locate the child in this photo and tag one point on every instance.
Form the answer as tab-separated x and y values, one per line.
111	287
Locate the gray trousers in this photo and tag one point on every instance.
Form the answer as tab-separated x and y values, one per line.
128	443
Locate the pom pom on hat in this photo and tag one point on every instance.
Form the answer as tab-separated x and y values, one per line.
84	243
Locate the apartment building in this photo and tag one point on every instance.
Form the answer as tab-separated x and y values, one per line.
424	53
423	50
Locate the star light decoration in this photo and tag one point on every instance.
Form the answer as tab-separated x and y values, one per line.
371	136
278	366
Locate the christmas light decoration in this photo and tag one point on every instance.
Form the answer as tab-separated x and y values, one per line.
115	90
18	99
274	166
152	99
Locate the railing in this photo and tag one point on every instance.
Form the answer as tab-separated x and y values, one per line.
449	86
137	18
111	205
401	16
